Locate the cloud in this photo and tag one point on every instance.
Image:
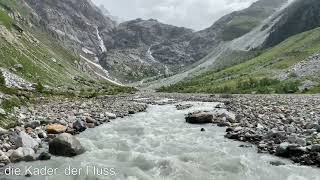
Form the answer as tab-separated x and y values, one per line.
195	14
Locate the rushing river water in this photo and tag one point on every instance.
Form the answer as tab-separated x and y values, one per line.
159	145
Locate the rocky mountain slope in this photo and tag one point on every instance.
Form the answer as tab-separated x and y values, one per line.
131	56
33	54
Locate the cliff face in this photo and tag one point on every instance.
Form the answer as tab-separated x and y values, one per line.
77	23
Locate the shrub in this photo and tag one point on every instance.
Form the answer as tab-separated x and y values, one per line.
2	79
39	87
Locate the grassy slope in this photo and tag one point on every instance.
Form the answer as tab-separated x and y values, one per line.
259	70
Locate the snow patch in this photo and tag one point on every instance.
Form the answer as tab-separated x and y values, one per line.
104	74
87	51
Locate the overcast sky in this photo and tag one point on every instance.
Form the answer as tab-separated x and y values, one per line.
195	14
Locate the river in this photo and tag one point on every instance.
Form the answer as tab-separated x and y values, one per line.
159	145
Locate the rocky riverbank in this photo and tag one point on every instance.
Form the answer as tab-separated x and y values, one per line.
284	125
48	126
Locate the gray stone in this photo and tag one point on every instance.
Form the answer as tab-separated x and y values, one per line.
301	141
79	126
65	145
28	154
199	118
277	163
90	120
282	149
32	124
16	155
44	156
183	106
230	117
315	148
24	140
4	159
110	115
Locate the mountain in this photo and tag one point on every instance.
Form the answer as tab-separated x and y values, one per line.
259	64
75	38
130	55
32	51
218	47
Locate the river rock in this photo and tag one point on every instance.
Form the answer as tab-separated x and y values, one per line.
183	106
32	124
41	134
315	148
28	154
91	125
90	120
289	150
110	115
16	155
26	141
44	156
277	163
230	117
56	129
65	145
79	126
199	118
4	159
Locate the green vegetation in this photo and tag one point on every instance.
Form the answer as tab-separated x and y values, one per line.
5	19
39	87
238	27
262	69
2	80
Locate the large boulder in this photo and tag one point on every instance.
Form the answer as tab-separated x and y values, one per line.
26	141
289	150
65	145
56	129
199	118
